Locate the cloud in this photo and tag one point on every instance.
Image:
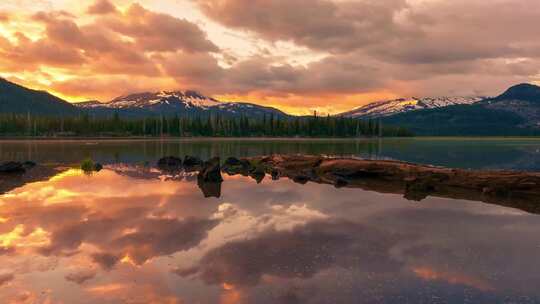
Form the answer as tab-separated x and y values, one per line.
4	17
295	54
163	237
317	24
81	276
101	7
106	260
299	253
160	32
6	277
401	45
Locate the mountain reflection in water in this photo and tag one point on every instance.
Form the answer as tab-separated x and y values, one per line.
132	234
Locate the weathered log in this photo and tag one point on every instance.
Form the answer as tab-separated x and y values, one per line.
416	182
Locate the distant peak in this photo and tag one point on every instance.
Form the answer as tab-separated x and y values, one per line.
524	86
522	91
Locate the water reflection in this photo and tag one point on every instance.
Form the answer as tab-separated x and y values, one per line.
133	234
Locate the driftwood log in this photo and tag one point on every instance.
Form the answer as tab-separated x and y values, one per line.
507	188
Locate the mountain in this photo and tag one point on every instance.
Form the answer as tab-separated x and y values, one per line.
183	103
391	107
514	112
522	100
524	92
18	99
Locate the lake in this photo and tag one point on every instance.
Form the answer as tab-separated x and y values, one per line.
476	153
132	233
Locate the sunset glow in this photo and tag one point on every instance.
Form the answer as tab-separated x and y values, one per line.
333	57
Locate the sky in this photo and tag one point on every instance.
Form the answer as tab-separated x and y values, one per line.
297	55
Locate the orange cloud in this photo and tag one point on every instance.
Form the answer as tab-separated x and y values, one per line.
101	7
430	274
4	17
332	62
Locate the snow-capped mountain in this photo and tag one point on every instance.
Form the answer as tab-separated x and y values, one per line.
185	99
390	107
175	102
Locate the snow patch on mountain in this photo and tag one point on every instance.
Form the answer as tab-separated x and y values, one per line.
180	102
186	99
390	107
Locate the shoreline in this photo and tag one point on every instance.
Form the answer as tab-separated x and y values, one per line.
258	139
517	189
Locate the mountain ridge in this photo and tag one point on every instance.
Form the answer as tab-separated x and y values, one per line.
390	107
188	102
18	99
516	111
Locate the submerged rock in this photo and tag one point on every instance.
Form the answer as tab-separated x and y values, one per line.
11	167
29	164
192	163
170	163
258	174
209	189
300	179
209	178
275	174
232	162
98	167
341	182
233	165
419	189
211	171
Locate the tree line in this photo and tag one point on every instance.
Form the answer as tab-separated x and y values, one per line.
197	126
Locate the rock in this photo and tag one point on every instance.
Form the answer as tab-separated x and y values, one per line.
211	171
192	163
300	179
275	174
341	182
209	178
257	174
12	167
234	166
29	164
98	167
232	161
209	189
496	191
419	189
170	163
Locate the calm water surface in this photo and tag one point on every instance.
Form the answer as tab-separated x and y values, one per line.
134	234
477	153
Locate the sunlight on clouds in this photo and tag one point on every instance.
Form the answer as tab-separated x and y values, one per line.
18	237
430	274
295	57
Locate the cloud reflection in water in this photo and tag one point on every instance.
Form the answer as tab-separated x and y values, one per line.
141	237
